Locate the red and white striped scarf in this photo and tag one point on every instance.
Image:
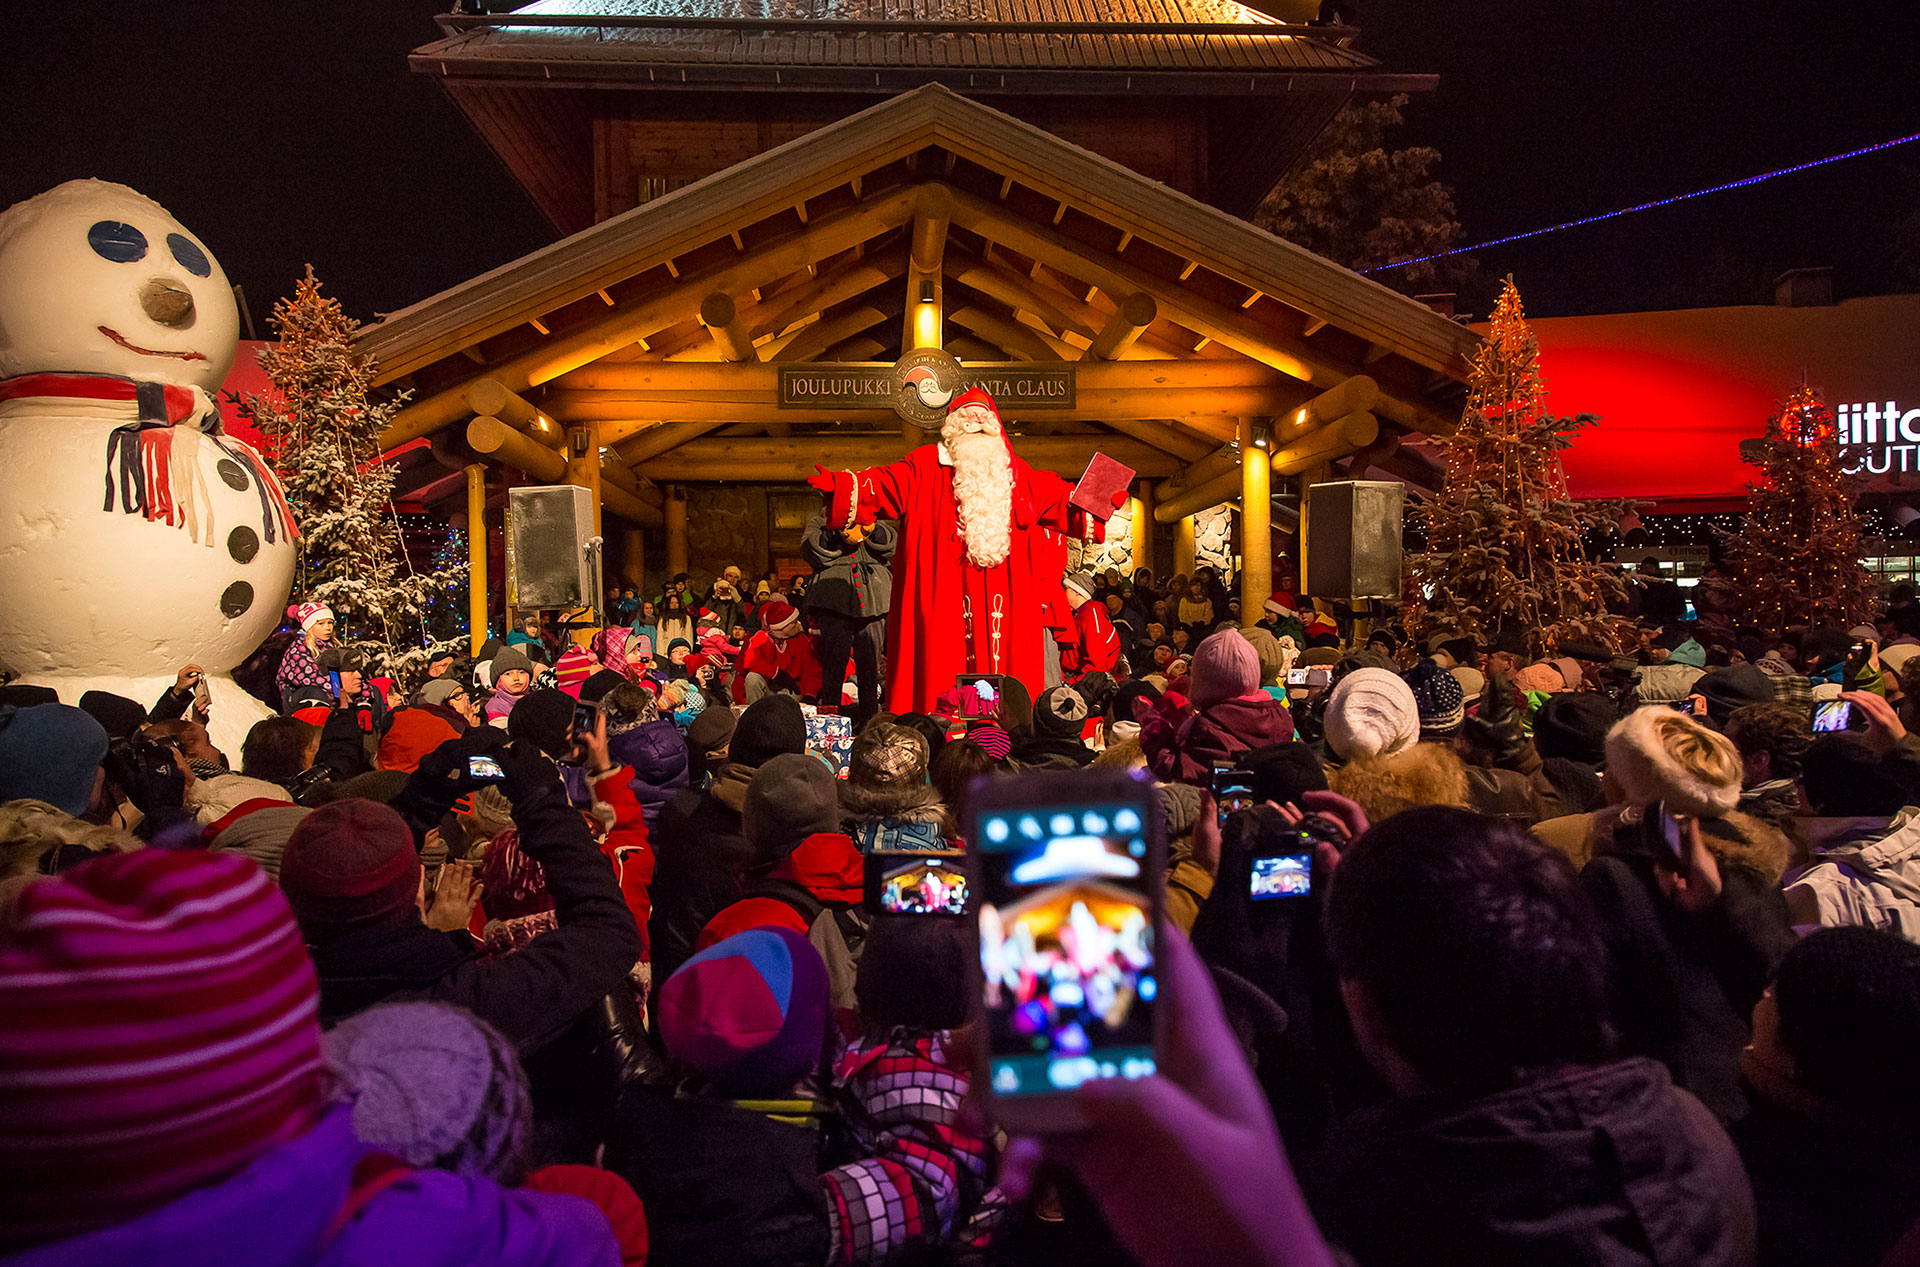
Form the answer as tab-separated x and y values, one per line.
156	474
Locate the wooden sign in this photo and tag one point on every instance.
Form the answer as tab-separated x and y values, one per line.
920	385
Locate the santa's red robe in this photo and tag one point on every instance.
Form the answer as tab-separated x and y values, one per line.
929	639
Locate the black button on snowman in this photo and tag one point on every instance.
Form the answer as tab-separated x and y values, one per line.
138	535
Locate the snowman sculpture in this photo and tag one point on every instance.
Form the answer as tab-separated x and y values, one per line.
135	535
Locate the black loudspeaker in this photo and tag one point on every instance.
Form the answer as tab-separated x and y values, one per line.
1353	539
548	546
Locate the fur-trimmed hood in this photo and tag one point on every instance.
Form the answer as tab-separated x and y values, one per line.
921	805
1638	760
1422	774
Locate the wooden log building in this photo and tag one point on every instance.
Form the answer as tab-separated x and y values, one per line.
728	286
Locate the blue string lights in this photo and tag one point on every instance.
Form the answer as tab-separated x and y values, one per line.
1648	206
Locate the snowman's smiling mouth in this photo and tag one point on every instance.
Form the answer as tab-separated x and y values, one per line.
119	338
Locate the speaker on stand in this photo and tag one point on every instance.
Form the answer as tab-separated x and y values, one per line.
548	548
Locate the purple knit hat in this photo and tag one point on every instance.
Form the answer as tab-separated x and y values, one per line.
1225	666
162	1031
750	1013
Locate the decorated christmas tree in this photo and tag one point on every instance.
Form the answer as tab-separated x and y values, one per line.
1795	559
322	435
1505	544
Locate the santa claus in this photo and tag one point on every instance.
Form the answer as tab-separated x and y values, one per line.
967	592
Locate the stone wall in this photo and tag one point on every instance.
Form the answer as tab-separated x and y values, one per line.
726	523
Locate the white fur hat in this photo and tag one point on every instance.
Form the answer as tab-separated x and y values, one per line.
1371	713
1638	760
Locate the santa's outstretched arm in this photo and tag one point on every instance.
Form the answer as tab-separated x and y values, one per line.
860	497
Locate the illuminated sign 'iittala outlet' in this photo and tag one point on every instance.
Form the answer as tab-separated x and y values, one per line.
1879	437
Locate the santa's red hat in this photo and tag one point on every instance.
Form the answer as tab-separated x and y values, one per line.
980	397
1281	604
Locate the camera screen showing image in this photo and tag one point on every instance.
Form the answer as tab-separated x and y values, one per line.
1232	793
484	767
586	718
919	882
1066	945
1832	715
1284	875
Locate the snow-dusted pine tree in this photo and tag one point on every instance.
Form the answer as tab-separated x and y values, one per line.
322	435
1795	559
1505	543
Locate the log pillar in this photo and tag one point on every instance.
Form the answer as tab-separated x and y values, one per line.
1308	478
1143	528
476	557
1256	534
676	515
583	463
1183	546
631	556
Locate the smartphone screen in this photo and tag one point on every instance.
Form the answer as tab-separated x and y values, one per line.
1296	677
1232	793
1282	875
585	717
485	767
1664	828
917	882
1066	943
1831	715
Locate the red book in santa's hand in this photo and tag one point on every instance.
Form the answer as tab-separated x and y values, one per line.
1094	493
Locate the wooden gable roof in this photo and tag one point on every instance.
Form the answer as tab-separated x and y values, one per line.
662	326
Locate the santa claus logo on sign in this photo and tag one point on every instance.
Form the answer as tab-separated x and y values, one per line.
969	571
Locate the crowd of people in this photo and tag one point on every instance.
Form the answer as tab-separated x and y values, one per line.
561	952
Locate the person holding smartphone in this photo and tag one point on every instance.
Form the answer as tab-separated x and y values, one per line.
1688	897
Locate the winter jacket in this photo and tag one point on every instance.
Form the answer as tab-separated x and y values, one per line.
1604	1167
918	1175
1869	877
657	754
414	732
627	846
777	659
301	667
213	799
1047	752
848	579
529	995
724	1184
278	1212
1666	683
1684	985
911	827
1830	1193
1434	774
1182	744
700	860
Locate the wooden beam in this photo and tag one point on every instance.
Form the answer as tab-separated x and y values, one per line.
661	437
921	321
1335	440
493	438
823	334
1143	531
1021	341
676	515
1218	462
1162	435
491	397
1183	545
721	316
1137	312
1021	295
1230	326
1224	487
1355	394
1192	406
618	501
682	380
776	460
826	236
830	288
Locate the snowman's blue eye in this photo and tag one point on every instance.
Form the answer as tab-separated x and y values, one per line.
121	243
191	257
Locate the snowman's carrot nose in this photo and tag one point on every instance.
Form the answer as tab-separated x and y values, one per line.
167	303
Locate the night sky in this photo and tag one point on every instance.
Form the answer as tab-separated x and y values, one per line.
284	134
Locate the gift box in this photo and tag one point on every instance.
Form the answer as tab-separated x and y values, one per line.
829	736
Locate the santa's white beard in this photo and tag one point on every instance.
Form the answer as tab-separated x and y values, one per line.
983	492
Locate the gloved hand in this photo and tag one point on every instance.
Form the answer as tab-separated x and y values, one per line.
532	782
1496	728
821	480
442	776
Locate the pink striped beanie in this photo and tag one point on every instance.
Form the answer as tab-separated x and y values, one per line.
161	1032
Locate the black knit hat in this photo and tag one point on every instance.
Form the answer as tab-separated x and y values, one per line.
1850	1016
1733	687
1060	713
117	715
913	972
1573	726
545	720
771	726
